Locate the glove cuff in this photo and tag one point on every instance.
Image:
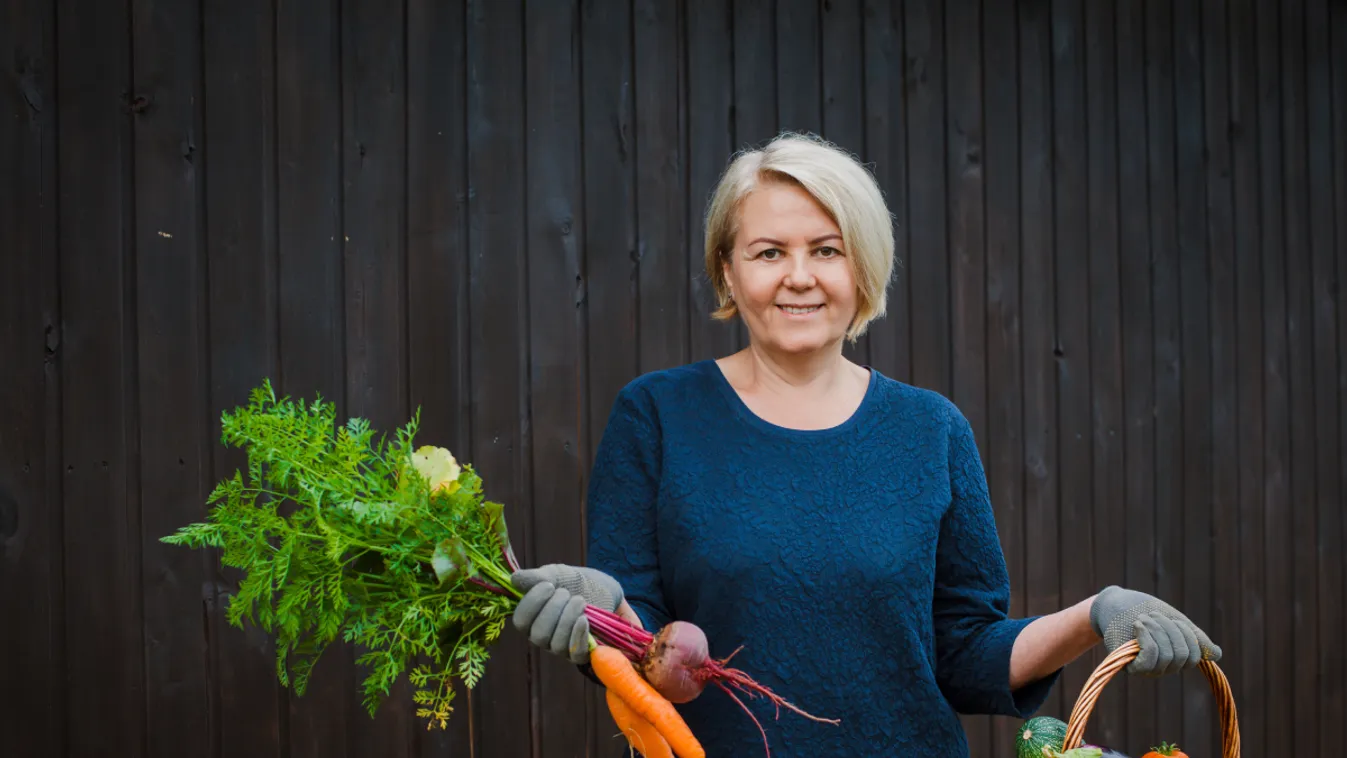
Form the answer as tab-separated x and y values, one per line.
1098	618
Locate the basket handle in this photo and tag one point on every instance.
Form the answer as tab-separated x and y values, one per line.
1117	661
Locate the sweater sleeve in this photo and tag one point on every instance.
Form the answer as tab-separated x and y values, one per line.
621	518
974	635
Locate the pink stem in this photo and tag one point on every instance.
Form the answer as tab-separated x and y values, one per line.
613	621
489	587
618	622
607	629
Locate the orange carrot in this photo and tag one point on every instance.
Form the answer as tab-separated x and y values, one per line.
641	734
619	675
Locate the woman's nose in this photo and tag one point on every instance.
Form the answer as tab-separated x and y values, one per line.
801	273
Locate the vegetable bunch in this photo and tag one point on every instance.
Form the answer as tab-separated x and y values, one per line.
344	534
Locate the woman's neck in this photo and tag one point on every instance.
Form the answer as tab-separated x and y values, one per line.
818	391
818	372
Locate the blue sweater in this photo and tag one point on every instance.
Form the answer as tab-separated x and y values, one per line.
858	566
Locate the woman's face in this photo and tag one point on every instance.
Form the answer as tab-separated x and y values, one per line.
789	272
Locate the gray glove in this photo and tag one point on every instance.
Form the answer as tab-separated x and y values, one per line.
552	611
1169	641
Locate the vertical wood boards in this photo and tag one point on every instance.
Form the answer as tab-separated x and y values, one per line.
32	556
99	454
1120	251
555	245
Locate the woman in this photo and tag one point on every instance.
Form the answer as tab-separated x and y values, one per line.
832	521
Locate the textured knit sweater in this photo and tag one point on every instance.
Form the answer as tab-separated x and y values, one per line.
858	566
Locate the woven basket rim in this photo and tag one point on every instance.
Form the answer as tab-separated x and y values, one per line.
1117	661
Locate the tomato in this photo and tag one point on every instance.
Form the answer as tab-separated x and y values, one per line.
1165	750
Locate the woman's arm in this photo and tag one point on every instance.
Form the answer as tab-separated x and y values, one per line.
1049	643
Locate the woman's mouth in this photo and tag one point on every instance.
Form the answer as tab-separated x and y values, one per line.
800	310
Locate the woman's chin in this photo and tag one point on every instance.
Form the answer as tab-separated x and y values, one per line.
803	343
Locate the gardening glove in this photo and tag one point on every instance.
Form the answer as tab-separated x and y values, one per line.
552	611
1169	641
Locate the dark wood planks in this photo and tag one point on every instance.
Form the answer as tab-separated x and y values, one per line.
756	89
710	104
660	186
499	337
886	148
1223	617
168	282
1279	709
1135	257
757	82
204	245
1299	340
555	332
31	554
1071	337
1337	24
1105	318
1004	452
310	286
799	62
1167	288
1043	578
1244	663
928	262
374	179
1330	697
100	454
610	279
1338	57
239	200
438	361
1194	533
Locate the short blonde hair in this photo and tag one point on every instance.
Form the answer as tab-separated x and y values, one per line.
847	191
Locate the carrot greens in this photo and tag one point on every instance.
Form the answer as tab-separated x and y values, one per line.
344	535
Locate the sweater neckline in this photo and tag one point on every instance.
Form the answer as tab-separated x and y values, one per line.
737	403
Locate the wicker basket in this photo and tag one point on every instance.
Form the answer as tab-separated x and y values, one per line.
1117	661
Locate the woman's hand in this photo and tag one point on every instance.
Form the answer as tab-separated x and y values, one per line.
552	611
1169	641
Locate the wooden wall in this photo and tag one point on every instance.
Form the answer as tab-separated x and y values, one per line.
1123	227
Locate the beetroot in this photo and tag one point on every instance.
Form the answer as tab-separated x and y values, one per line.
673	660
678	664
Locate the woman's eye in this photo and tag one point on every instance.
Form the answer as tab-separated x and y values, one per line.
770	254
828	252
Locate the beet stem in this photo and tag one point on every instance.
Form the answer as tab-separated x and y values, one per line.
717	672
489	587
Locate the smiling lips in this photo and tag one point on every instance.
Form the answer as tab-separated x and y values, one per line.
800	310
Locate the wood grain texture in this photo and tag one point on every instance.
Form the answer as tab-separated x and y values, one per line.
32	556
1135	276
1120	240
172	339
1109	505
100	456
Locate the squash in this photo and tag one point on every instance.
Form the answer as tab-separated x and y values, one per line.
1039	737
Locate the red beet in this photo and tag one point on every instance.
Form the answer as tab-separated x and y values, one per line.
673	660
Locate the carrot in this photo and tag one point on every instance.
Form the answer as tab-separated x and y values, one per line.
619	675
641	734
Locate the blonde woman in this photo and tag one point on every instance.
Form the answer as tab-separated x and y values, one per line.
833	521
